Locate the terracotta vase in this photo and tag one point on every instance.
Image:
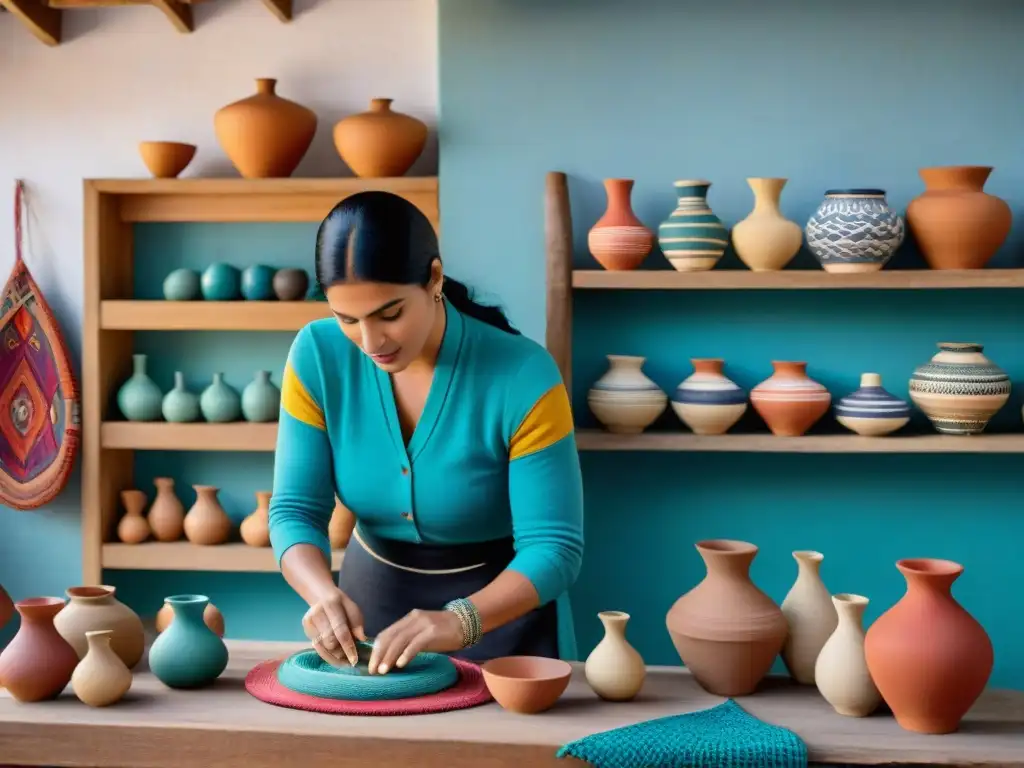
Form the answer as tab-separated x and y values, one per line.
614	669
624	400
339	530
960	389
37	664
212	617
841	671
101	679
956	223
6	607
928	656
255	530
206	522
380	142
96	608
708	401
133	528
726	630
766	241
810	615
619	240
167	513
789	401
265	135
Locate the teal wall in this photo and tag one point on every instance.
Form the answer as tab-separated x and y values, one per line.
828	95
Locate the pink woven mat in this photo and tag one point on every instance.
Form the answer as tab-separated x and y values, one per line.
469	691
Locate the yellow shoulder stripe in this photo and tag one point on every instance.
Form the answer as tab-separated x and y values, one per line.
297	402
548	421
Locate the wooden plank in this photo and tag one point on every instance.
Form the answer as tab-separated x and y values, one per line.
184	556
558	240
41	20
210	315
161	436
282	9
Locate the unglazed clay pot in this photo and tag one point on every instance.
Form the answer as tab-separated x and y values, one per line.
206	522
37	664
133	527
339	530
960	389
841	672
101	679
707	401
167	513
619	240
212	617
265	135
166	159
380	142
928	656
810	615
766	241
96	608
614	669
789	401
624	400
726	630
956	223
526	684
255	529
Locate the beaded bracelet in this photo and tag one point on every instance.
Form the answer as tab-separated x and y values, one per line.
469	617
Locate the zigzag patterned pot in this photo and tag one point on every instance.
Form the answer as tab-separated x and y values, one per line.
960	389
854	230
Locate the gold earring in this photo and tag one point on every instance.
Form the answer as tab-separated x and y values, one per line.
437	297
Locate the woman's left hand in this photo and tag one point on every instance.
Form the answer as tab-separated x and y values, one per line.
396	646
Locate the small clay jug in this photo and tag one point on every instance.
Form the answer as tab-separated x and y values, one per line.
726	630
133	527
101	679
37	664
6	607
380	142
211	615
841	672
766	241
255	529
290	284
96	608
929	657
790	401
188	654
614	669
811	617
619	240
167	513
339	530
206	522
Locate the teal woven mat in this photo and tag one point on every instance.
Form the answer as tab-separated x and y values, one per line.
724	736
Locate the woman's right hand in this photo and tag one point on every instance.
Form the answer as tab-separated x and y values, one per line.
333	623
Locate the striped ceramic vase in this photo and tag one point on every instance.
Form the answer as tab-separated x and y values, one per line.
707	401
619	240
693	238
789	401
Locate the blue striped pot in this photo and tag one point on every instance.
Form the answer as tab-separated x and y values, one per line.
624	400
871	411
854	230
707	401
693	238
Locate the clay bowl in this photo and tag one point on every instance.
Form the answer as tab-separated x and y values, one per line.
526	684
166	159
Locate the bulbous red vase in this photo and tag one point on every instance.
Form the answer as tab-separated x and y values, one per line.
37	664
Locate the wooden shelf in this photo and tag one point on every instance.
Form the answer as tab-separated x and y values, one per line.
161	436
739	279
210	315
184	556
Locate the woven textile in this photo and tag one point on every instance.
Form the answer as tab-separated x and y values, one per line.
724	736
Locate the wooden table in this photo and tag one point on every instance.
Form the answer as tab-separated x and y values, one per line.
155	727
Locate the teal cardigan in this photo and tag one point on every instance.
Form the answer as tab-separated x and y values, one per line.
493	455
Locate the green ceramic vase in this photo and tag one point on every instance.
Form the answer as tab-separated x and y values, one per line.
188	654
180	405
261	399
220	402
139	398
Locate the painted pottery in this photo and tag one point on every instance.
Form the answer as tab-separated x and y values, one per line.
707	401
206	522
101	678
258	283
957	225
166	159
139	398
339	530
6	607
179	405
692	238
624	400
526	685
727	631
213	618
265	135
766	241
380	142
133	528
619	240
261	399
854	230
810	615
841	671
789	401
37	664
221	282
188	654
960	389
291	284
614	669
871	410
95	608
166	513
929	657
255	530
183	285
220	402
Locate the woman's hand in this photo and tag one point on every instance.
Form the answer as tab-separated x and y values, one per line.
333	623
396	646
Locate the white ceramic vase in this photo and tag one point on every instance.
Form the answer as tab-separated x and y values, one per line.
811	617
614	669
624	400
841	671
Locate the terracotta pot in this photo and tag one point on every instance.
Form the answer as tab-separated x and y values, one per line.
133	528
619	240
526	684
928	656
37	664
167	513
166	159
789	401
96	608
265	135
212	617
766	241
339	530
255	529
957	225
101	679
726	630
380	142
6	607
206	522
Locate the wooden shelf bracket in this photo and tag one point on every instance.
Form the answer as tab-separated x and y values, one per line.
43	21
280	8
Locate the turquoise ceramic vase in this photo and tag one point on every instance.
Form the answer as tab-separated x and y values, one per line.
180	405
692	238
140	398
188	654
220	402
182	285
222	282
261	399
258	283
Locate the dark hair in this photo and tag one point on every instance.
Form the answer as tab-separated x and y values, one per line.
383	238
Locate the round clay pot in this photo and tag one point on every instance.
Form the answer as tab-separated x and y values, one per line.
212	617
255	530
96	608
37	664
133	528
167	513
619	240
291	284
526	684
956	223
380	142
789	401
101	678
206	522
166	159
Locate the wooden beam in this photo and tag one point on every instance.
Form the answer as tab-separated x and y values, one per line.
179	13
280	8
42	21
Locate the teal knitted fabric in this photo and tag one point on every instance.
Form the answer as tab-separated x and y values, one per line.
724	736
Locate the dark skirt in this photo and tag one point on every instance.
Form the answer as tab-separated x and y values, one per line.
387	591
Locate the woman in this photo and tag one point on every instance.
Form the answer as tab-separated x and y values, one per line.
449	436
